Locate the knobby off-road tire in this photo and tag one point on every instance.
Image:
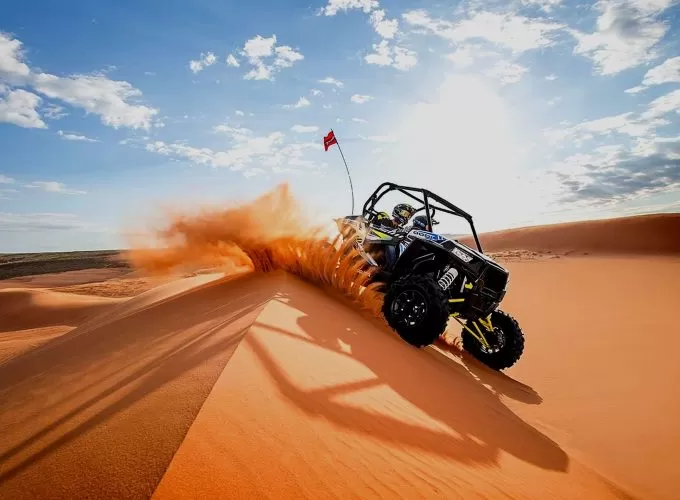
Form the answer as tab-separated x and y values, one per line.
434	318
513	342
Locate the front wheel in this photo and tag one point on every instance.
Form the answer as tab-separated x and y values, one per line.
506	341
417	309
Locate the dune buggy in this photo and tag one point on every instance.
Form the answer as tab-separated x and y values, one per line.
428	278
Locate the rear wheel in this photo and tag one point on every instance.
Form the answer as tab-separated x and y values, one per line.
506	341
417	309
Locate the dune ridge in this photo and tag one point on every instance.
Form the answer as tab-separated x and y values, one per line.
654	234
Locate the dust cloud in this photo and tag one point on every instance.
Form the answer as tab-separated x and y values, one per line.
269	233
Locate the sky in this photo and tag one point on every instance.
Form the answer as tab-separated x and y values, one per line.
522	112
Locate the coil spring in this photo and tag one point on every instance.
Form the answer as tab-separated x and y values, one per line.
448	278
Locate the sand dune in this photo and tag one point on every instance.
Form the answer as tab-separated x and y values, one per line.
67	278
23	308
261	385
644	234
101	412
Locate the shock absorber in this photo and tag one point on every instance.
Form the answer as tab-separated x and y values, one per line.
448	278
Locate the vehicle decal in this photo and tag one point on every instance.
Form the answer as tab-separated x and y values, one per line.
380	234
427	235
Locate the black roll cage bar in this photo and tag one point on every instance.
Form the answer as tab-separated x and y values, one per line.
369	211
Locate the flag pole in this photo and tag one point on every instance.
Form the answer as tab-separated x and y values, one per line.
346	168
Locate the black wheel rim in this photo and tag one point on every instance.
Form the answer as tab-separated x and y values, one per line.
409	308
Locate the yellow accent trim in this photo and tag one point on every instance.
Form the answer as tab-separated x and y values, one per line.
468	285
381	234
456	300
486	323
480	337
483	341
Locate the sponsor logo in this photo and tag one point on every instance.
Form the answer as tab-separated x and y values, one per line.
461	255
427	235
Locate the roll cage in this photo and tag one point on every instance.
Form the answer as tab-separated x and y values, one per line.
369	212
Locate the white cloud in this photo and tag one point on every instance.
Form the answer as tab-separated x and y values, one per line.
316	92
544	5
360	99
666	72
54	112
12	67
202	62
303	102
99	95
53	187
232	61
304	129
335	6
19	107
464	56
257	49
359	120
506	72
247	154
551	77
386	28
626	124
331	81
397	57
613	174
663	105
6	180
237	133
512	31
238	112
95	93
75	137
627	34
635	90
286	56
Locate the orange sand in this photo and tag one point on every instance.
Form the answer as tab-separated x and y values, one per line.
643	234
259	385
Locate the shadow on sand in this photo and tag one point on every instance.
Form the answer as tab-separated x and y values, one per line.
482	425
113	404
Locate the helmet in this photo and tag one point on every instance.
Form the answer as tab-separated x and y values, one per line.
420	222
403	212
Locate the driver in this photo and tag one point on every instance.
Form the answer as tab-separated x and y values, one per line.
400	216
420	222
402	213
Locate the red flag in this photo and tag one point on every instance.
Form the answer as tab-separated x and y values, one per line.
329	140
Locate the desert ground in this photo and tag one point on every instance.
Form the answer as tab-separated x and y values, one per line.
117	384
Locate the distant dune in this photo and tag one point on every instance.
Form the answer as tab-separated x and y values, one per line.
30	264
644	234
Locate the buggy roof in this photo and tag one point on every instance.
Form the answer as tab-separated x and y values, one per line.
426	198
